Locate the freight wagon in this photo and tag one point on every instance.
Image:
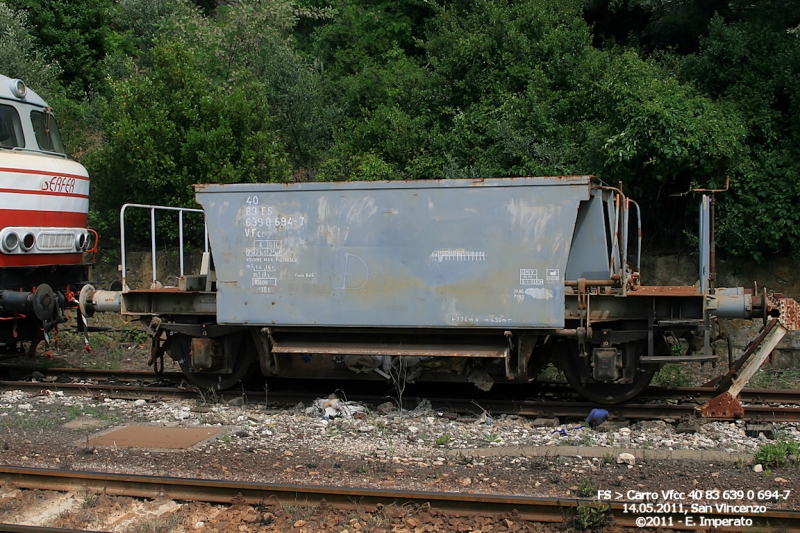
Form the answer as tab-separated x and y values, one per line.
478	280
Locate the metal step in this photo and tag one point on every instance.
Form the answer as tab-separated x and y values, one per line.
407	350
678	358
678	322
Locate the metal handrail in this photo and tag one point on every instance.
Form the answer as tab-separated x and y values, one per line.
153	209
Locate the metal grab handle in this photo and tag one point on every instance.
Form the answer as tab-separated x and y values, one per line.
153	209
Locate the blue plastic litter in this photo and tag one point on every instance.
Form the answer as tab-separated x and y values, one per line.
596	417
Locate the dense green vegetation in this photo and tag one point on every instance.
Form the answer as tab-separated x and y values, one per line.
661	95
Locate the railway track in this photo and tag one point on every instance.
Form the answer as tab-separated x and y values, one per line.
533	509
554	399
552	389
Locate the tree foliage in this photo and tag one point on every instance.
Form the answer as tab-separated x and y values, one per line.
172	126
72	33
659	95
19	55
752	63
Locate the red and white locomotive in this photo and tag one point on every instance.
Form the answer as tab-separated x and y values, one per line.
44	203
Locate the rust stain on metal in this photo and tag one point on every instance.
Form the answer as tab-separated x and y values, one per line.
155	437
418	350
670	290
722	406
156	291
788	308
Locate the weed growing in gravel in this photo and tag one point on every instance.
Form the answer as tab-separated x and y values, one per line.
23	420
110	361
465	459
298	511
377	519
69	341
399	375
776	378
671	375
381	428
94	411
134	335
775	454
89	500
551	373
442	440
592	515
586	489
490	437
158	525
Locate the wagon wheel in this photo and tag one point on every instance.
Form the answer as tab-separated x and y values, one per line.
241	365
608	393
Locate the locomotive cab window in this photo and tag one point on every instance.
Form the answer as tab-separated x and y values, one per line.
46	130
10	128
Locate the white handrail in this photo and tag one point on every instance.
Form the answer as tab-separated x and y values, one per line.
153	209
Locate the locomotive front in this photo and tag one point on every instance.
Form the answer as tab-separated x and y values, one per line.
44	203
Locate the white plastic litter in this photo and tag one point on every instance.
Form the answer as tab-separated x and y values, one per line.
334	407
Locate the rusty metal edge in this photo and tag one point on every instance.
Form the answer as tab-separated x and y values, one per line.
16	528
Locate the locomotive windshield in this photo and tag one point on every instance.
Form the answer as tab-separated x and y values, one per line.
46	130
10	128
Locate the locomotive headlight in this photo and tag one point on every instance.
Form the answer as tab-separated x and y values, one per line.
10	241
82	241
18	88
28	240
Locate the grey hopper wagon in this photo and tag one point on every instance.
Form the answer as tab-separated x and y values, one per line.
469	280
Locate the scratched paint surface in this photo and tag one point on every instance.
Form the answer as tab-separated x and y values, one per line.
451	253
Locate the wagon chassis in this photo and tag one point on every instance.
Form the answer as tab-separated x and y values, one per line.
187	318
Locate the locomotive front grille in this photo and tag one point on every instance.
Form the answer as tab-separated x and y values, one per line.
56	242
31	240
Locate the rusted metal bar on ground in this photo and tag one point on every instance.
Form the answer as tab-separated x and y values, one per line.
16	528
726	404
725	381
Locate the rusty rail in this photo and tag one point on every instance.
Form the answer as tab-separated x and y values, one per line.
691	398
533	509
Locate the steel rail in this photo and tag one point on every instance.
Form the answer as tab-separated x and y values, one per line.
534	509
113	390
619	411
16	528
544	389
529	408
102	373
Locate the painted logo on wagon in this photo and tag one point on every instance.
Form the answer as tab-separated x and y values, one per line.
59	184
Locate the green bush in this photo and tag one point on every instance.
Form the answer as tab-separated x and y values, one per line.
672	375
775	454
592	515
442	440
